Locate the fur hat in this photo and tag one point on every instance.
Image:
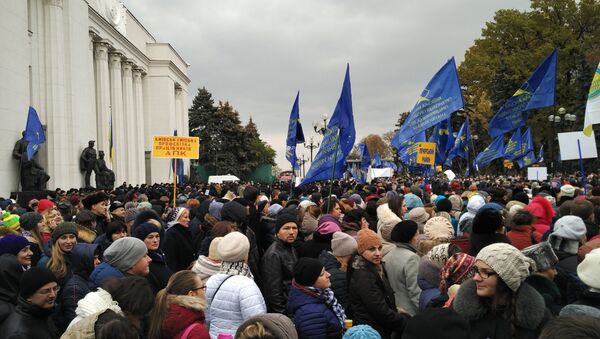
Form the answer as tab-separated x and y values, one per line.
64	228
13	244
404	231
93	199
438	228
30	220
366	239
589	269
212	249
343	244
125	252
508	262
307	271
143	230
34	279
234	247
567	191
542	254
418	215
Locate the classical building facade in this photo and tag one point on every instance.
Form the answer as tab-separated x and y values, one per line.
87	67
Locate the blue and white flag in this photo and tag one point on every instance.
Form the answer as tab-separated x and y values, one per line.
295	135
540	157
338	139
34	133
494	151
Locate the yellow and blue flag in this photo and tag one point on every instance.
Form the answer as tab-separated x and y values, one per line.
494	151
442	136
592	107
376	162
34	133
408	149
179	169
527	150
537	92
462	143
514	146
295	135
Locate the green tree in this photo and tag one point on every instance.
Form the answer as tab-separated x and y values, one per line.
204	123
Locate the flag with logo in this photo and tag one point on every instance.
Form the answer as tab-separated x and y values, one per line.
408	149
513	147
462	143
592	107
494	151
295	135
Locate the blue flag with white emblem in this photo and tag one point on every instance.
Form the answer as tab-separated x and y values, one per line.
513	148
461	144
34	133
295	135
440	98
537	92
494	151
338	139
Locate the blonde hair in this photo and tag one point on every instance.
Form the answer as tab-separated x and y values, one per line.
57	263
48	219
255	330
343	260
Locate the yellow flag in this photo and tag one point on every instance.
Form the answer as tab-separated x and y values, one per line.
592	108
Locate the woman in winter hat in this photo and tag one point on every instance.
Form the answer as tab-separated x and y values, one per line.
543	279
160	273
269	325
458	269
207	266
64	239
336	262
496	302
522	233
388	215
315	309
178	242
437	230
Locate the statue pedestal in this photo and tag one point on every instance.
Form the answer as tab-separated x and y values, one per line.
24	197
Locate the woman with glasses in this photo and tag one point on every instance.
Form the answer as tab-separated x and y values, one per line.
179	308
496	301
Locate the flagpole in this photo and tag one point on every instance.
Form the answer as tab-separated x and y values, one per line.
175	183
337	144
581	165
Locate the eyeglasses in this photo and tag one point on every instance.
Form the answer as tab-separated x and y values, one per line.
47	291
199	288
483	274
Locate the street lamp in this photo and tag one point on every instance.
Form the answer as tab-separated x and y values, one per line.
311	146
321	127
302	162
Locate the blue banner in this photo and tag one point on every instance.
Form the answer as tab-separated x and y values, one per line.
365	157
440	98
494	151
462	143
295	135
513	147
537	92
527	150
376	162
408	149
338	139
442	135
34	133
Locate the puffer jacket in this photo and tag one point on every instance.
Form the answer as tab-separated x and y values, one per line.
29	321
237	300
312	317
10	276
339	284
428	280
182	312
278	266
103	273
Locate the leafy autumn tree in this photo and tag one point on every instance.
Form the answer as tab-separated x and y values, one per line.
375	144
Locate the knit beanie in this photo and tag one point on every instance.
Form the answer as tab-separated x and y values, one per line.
212	249
279	325
234	247
439	323
569	227
438	228
567	191
487	221
64	228
233	211
34	279
44	204
283	219
404	231
30	220
125	252
214	209
542	254
456	270
589	269
418	215
130	214
361	332
307	271
342	244
366	239
144	205
439	254
13	244
10	221
412	201
328	227
508	262
443	205
141	231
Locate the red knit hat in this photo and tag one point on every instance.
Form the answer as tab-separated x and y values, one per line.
44	204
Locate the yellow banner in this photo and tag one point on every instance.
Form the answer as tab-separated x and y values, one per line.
168	146
426	153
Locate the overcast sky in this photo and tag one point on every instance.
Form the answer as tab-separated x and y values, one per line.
257	54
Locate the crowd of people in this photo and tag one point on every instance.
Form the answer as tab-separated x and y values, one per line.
405	257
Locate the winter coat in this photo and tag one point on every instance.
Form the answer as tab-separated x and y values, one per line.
312	316
428	279
182	312
29	321
548	290
319	243
179	248
339	283
94	303
206	268
10	277
102	273
309	225
478	241
237	300
567	280
587	304
402	264
85	235
266	233
372	299
523	236
278	267
103	242
530	309
466	219
159	271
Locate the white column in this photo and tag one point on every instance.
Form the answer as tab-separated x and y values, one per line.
102	98
129	115
178	111
58	117
118	119
138	99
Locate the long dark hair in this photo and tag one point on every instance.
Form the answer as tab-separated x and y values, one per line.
395	204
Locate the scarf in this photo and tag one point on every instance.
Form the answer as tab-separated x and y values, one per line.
325	294
236	268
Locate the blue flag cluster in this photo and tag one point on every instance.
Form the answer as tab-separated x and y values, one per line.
513	150
34	133
338	139
461	144
295	135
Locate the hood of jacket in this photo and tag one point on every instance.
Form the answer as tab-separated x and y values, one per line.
10	275
102	273
386	220
82	260
428	275
95	302
542	209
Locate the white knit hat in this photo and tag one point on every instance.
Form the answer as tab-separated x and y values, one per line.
233	247
438	228
569	227
508	262
589	269
567	190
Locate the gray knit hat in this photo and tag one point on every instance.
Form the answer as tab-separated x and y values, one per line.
343	244
124	253
542	254
508	262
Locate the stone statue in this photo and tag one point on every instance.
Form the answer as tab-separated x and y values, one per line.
33	176
105	177
88	162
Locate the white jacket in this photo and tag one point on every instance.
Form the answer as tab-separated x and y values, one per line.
236	301
95	302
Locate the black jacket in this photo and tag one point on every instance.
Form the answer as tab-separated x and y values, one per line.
278	269
10	276
478	241
548	290
339	283
372	299
567	280
319	243
29	322
179	248
592	229
159	271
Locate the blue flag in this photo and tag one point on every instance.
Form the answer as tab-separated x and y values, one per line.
408	149
462	143
541	154
441	136
179	169
513	147
437	102
295	135
359	174
527	150
34	133
537	92
338	139
494	151
365	157
376	162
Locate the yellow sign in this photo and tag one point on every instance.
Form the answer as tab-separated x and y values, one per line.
167	146
426	153
508	164
438	168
